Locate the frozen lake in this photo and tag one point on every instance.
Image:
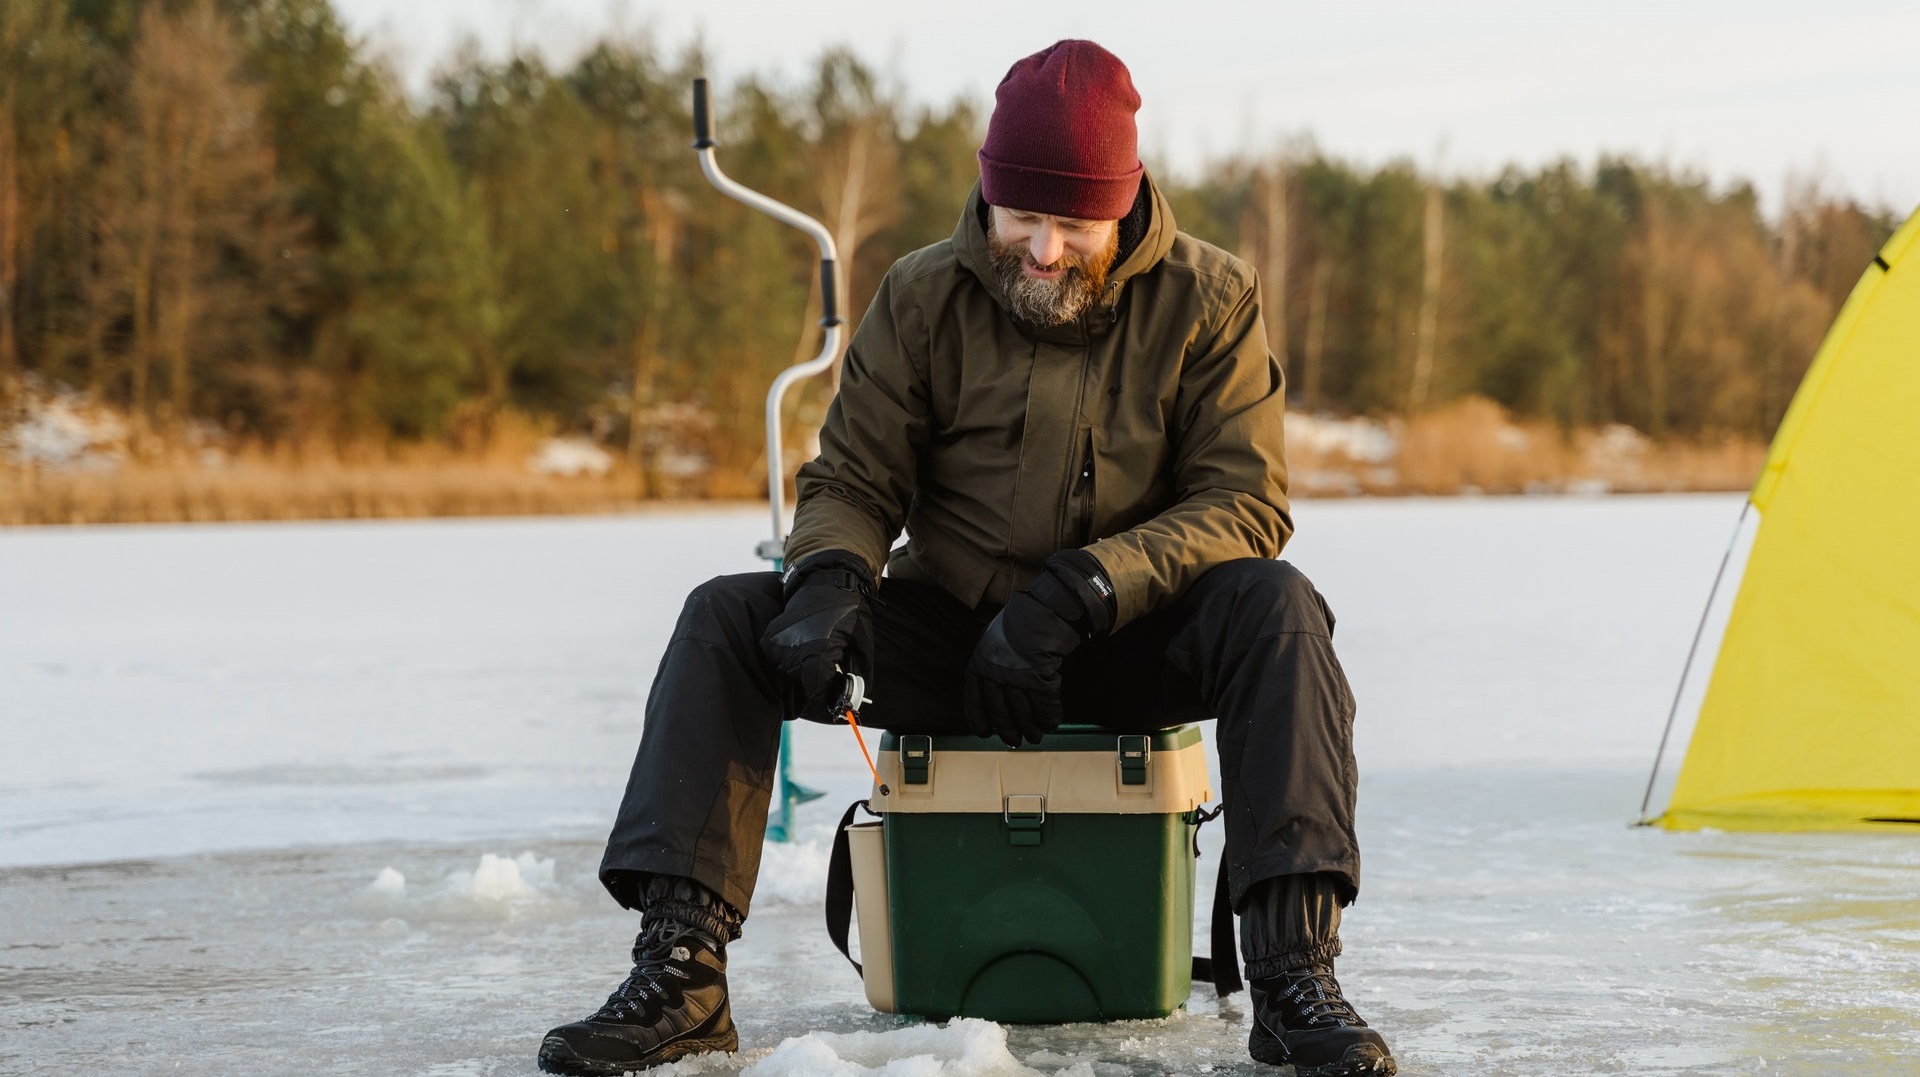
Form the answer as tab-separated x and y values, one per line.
263	790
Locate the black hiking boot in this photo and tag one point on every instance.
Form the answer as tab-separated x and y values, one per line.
674	1002
1301	1019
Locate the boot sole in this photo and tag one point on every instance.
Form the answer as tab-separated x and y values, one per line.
1360	1060
557	1057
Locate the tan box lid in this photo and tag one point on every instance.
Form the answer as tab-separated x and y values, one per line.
1077	770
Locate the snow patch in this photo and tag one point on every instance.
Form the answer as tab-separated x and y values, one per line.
388	884
498	888
500	881
1364	441
63	431
965	1047
568	457
792	873
711	1062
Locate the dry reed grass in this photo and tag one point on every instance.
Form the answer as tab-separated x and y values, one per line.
108	471
258	490
1471	446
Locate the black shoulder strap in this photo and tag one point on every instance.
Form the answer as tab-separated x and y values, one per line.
840	886
1222	970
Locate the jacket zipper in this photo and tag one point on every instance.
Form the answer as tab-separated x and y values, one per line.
1079	523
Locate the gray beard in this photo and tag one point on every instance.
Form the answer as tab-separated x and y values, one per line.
1044	302
1049	302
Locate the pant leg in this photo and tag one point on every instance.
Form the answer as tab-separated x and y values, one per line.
696	800
1290	922
697	797
1251	644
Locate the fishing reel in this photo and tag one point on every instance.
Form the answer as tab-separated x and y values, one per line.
847	708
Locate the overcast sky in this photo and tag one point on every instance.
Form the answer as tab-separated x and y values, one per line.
1754	89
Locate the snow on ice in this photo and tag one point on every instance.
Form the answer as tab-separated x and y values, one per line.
499	888
964	1048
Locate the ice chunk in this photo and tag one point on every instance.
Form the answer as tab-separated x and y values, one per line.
792	873
500	879
498	888
388	884
965	1047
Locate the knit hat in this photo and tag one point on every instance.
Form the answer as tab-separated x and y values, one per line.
1062	138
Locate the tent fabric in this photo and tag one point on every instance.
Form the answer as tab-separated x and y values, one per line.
1812	718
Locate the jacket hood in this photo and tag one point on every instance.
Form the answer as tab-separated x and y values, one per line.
970	248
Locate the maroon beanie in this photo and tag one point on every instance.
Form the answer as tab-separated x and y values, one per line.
1062	139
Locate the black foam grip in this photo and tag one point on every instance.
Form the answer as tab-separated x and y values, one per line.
702	125
829	300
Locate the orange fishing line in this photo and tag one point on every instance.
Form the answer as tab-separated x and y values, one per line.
862	741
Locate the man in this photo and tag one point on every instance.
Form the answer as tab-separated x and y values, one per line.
1070	408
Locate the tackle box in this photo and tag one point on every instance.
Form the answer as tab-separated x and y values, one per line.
1037	884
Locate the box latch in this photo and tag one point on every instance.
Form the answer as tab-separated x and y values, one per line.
916	759
1135	753
1025	814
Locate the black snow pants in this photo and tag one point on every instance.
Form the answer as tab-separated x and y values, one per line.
1249	645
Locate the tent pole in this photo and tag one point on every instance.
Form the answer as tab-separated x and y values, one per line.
1680	689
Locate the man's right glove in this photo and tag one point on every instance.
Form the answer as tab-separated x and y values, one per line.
826	629
1013	680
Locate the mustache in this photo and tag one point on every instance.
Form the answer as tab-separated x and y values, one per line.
1065	261
1093	265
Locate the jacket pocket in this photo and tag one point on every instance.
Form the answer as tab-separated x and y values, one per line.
1129	484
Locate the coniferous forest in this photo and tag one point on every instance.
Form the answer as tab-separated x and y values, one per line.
225	220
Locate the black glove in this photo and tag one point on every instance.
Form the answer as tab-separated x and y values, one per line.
1013	681
826	629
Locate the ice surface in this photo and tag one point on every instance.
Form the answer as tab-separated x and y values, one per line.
329	798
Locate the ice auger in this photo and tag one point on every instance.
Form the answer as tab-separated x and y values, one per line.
789	792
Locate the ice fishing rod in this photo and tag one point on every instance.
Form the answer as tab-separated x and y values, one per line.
848	710
830	321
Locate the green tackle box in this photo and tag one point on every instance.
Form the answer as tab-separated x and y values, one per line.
1037	884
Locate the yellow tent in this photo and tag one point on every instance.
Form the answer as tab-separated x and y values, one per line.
1812	718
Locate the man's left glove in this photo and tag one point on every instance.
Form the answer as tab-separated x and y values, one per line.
1013	680
826	629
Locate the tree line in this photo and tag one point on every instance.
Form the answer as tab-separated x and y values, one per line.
226	214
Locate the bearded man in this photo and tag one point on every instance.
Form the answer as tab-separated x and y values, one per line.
1070	409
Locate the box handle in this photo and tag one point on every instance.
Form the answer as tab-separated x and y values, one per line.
1136	753
916	759
1025	814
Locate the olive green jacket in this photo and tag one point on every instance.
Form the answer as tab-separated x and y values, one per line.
1148	432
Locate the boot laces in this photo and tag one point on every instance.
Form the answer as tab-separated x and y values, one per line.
656	956
1314	995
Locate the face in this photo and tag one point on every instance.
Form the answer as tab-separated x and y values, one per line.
1048	238
1052	268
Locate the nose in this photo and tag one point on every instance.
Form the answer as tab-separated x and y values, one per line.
1047	244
